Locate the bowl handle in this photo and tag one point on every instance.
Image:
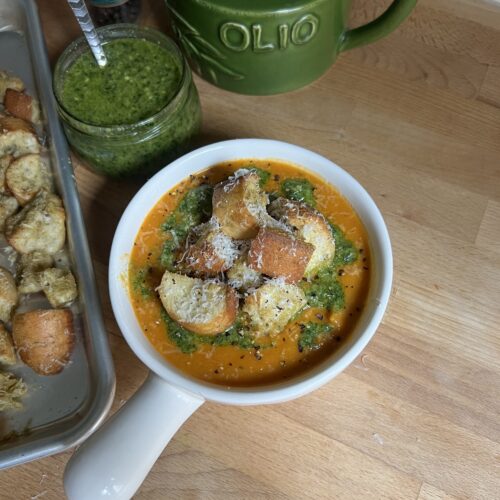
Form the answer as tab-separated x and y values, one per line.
116	459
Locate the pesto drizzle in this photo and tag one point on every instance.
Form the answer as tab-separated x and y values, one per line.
237	335
140	282
311	335
299	190
193	209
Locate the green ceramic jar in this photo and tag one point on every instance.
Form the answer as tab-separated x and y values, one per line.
133	134
265	47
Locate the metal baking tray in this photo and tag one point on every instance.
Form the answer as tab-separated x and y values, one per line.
59	411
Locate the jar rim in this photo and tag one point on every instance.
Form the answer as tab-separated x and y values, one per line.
120	31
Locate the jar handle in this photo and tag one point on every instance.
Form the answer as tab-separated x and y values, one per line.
387	22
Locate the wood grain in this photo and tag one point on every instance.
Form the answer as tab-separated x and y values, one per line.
416	118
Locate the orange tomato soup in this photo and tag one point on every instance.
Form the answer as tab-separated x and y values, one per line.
282	358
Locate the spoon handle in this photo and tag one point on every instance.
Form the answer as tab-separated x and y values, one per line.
83	17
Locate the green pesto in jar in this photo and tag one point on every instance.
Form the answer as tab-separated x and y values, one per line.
139	79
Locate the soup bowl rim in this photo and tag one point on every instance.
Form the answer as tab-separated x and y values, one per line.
201	159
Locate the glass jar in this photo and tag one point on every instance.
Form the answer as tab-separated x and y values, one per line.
142	147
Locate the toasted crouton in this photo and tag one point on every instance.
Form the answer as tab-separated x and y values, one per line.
8	295
44	339
311	227
8	207
203	307
21	105
272	306
25	176
213	253
58	285
7	353
29	267
17	137
239	204
279	255
9	82
39	226
4	163
242	277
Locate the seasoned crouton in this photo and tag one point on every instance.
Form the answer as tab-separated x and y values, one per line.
9	82
21	105
204	307
4	163
242	277
213	252
7	353
17	137
26	175
311	227
279	254
38	226
272	306
239	204
8	207
44	339
59	286
29	267
8	295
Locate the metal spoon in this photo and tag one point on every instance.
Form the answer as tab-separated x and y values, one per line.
84	20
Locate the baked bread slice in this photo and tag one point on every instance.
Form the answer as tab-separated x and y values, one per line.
9	82
58	285
8	207
272	306
239	204
7	352
44	339
26	176
4	163
8	295
204	307
39	226
242	277
279	255
29	266
21	105
311	226
213	252
17	137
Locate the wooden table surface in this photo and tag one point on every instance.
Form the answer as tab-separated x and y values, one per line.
416	118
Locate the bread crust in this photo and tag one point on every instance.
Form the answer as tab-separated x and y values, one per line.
239	205
9	82
44	339
204	307
211	254
21	105
279	255
311	226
